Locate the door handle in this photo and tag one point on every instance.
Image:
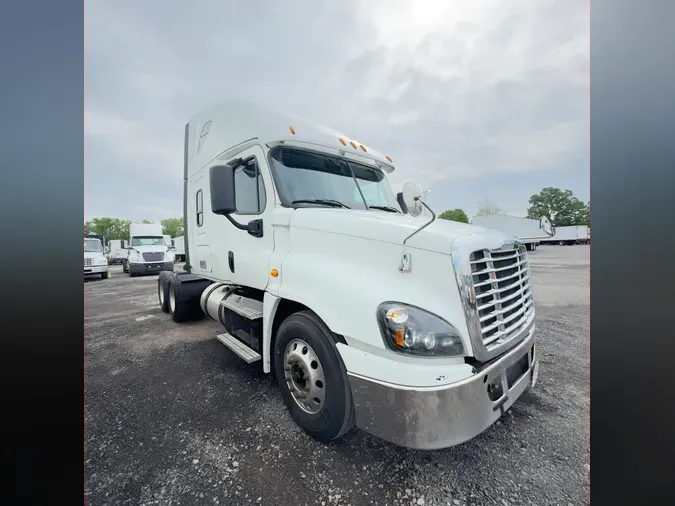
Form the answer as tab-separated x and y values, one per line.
230	261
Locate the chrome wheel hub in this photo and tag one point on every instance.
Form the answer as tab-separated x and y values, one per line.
304	376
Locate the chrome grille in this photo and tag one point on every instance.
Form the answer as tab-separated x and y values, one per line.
503	292
87	261
153	257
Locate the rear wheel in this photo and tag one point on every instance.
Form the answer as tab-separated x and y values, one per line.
312	377
163	290
180	310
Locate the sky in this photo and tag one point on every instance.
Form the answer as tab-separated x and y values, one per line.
487	99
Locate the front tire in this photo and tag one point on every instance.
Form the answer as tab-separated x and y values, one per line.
312	377
104	275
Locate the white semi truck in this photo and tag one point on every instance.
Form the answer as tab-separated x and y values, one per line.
148	251
95	261
419	331
529	231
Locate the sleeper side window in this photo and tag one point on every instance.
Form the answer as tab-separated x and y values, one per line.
200	208
249	189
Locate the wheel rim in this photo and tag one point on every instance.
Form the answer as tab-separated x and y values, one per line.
304	376
172	299
161	292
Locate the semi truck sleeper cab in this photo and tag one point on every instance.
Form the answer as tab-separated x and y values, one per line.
416	330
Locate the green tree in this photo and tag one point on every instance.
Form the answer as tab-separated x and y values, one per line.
454	215
487	207
110	228
172	227
559	206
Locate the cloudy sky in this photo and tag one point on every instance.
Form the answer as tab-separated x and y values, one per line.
486	99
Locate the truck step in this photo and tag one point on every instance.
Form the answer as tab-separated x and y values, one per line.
244	352
248	308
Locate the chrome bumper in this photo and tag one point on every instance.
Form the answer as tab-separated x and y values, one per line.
95	269
434	418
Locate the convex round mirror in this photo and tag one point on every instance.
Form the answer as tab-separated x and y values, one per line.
411	195
546	226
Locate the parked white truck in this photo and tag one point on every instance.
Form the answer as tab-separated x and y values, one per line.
147	251
529	231
419	331
95	261
179	248
117	251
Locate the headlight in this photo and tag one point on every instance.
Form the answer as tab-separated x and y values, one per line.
413	331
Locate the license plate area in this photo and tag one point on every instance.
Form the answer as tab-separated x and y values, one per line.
517	370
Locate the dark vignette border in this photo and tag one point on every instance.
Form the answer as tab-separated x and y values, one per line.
632	268
42	159
632	182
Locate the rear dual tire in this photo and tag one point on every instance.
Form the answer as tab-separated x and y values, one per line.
163	290
312	377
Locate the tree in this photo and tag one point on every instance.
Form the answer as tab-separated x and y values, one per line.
559	206
110	228
172	227
454	215
487	207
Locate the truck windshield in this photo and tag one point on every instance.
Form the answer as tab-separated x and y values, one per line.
306	176
92	246
146	240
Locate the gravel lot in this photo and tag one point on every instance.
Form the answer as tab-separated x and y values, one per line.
173	417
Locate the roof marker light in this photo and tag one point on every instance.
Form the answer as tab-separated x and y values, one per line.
390	160
291	129
342	141
353	144
363	148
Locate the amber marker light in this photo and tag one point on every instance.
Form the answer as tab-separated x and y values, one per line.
291	129
274	273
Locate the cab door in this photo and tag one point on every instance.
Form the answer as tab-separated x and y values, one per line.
248	256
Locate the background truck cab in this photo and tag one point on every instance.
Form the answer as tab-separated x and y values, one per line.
148	251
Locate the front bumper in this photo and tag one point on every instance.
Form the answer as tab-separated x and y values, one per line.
150	267
95	269
433	418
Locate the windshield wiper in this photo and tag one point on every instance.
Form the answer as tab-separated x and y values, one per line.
326	202
384	208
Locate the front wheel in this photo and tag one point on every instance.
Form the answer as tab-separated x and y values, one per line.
312	377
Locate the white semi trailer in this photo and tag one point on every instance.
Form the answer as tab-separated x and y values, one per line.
179	248
148	251
117	251
568	235
419	331
530	232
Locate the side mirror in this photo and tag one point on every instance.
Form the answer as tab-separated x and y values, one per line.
221	182
410	196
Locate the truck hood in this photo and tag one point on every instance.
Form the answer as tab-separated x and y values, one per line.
383	226
93	255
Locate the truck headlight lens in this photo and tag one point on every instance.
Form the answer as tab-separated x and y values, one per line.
413	331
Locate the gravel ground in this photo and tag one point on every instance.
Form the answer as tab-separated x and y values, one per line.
173	417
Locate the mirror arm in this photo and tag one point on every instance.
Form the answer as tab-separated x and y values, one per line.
433	218
236	223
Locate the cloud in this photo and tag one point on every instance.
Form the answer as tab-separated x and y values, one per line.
453	91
